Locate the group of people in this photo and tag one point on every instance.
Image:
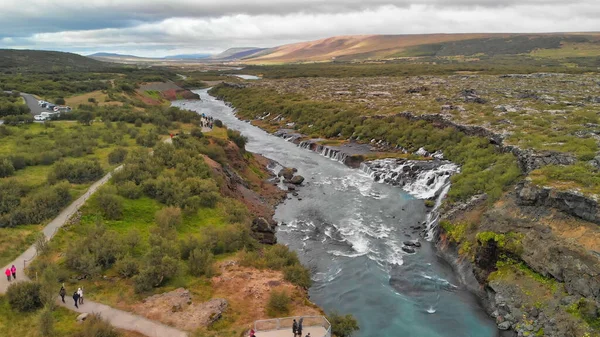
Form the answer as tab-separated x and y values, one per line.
207	121
77	296
12	271
297	328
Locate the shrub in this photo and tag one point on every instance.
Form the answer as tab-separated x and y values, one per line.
24	296
279	303
132	239
298	275
138	123
42	205
77	171
92	100
148	139
117	156
85	117
6	168
127	267
18	162
60	101
343	326
197	132
228	239
41	244
168	217
111	205
46	323
201	262
236	137
218	123
129	190
95	326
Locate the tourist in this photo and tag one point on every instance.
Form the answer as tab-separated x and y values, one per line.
308	335
295	327
252	333
300	327
62	292
80	293
76	299
13	270
7	272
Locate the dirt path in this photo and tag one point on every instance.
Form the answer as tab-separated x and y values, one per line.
115	317
124	320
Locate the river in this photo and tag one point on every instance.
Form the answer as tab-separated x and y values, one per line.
349	231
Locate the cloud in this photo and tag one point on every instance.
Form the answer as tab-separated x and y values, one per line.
190	25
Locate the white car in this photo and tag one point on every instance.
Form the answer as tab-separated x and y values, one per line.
39	117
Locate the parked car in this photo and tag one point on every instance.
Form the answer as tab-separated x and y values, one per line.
39	118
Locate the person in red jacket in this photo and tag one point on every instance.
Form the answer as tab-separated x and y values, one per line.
13	270
7	273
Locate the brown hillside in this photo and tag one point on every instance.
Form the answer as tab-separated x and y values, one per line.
365	45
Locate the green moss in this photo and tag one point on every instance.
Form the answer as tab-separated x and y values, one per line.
510	242
455	232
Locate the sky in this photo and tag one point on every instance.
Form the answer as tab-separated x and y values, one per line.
157	28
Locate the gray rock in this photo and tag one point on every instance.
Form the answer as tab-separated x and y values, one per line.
82	317
263	231
297	180
408	249
504	325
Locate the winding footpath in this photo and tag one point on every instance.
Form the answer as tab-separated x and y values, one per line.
118	318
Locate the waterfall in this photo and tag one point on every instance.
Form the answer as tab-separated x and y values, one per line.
422	179
433	217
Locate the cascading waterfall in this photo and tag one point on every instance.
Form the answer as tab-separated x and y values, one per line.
422	179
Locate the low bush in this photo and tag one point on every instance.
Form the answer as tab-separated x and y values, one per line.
197	132
278	304
24	296
298	275
111	205
201	262
127	267
95	326
168	218
46	323
129	190
6	168
117	156
236	137
76	171
343	326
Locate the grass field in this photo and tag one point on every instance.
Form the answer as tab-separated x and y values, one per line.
34	140
13	241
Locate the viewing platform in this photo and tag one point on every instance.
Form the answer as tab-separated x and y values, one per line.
317	326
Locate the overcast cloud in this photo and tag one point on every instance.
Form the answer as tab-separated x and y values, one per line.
163	27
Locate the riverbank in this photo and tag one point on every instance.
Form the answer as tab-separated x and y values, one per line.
352	232
490	239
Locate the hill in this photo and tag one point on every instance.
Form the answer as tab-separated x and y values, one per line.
187	57
46	61
109	55
377	47
239	53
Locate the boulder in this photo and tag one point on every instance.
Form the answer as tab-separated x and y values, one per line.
286	173
263	231
407	249
297	180
212	311
82	317
504	325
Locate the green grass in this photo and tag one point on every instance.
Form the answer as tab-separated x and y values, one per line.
14	240
26	324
